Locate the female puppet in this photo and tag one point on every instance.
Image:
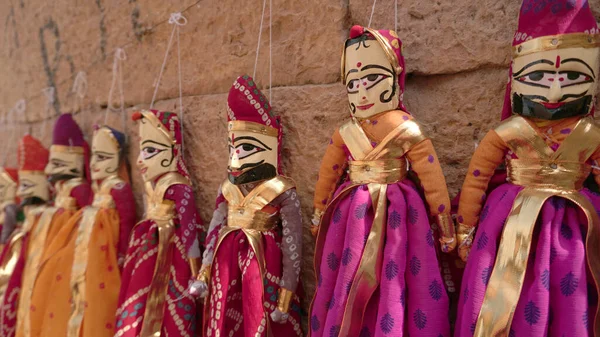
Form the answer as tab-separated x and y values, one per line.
375	258
68	170
163	249
252	263
534	262
34	193
80	276
8	203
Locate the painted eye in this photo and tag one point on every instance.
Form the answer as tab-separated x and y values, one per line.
373	79
149	152
58	164
539	78
569	78
246	150
352	86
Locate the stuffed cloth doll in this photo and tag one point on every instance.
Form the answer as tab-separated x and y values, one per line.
375	256
251	265
68	170
164	248
33	191
532	243
81	276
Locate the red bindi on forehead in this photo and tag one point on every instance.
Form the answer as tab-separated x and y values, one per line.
359	64
557	64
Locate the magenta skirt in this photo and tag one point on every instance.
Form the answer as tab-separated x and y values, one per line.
558	296
411	299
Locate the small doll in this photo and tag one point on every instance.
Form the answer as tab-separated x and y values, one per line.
164	248
68	171
533	243
8	204
80	275
251	265
34	193
375	256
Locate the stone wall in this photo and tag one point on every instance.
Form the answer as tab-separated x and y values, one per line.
457	53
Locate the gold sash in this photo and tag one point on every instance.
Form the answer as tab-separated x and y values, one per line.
544	174
162	212
102	200
246	214
376	167
63	197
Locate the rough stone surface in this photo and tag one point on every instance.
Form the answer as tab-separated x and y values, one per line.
457	56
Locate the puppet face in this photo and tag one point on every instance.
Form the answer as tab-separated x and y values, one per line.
157	155
8	188
33	184
555	84
252	157
105	155
371	82
65	163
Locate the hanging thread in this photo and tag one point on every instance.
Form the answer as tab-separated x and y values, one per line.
49	93
117	80
262	18
80	90
177	20
372	11
396	16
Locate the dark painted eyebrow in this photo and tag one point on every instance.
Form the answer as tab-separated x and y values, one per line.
252	139
60	160
105	153
157	143
531	65
351	71
376	66
580	61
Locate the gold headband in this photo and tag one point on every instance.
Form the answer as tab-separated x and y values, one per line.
252	127
67	149
553	42
157	124
387	48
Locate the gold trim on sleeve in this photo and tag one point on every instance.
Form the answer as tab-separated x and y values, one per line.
284	299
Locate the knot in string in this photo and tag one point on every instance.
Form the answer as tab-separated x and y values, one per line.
177	19
117	77
49	93
80	85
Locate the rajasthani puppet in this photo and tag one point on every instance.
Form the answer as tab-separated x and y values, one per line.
164	248
68	170
34	194
251	266
375	256
533	248
80	275
8	203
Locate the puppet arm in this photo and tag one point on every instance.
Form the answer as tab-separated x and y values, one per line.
125	206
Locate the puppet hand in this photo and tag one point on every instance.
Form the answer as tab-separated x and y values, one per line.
447	244
315	221
199	289
464	234
279	317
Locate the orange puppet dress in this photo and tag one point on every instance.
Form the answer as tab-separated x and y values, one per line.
79	279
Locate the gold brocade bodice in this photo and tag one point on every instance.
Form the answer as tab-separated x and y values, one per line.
538	166
63	193
102	194
157	208
248	212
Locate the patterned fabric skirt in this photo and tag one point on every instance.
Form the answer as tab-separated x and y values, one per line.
240	299
179	318
411	299
558	296
10	301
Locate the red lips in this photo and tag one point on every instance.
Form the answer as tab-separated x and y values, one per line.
365	107
553	105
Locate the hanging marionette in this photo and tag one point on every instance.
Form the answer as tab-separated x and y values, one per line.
34	194
251	265
164	248
81	275
375	258
67	170
533	260
8	203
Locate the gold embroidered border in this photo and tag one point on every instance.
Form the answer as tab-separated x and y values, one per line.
252	127
553	42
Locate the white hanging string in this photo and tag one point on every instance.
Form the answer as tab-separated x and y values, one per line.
176	19
262	17
372	11
117	80
80	90
396	16
11	119
49	93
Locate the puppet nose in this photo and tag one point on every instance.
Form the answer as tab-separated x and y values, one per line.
555	92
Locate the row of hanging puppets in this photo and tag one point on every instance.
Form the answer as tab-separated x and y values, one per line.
520	257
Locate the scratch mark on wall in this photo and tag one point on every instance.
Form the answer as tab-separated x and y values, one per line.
51	66
102	29
10	19
138	30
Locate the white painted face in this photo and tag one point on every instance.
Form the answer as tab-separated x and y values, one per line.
105	154
65	161
556	83
8	188
371	82
157	155
252	156
33	184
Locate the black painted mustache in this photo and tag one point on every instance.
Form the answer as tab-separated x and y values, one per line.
61	176
31	201
525	106
258	173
